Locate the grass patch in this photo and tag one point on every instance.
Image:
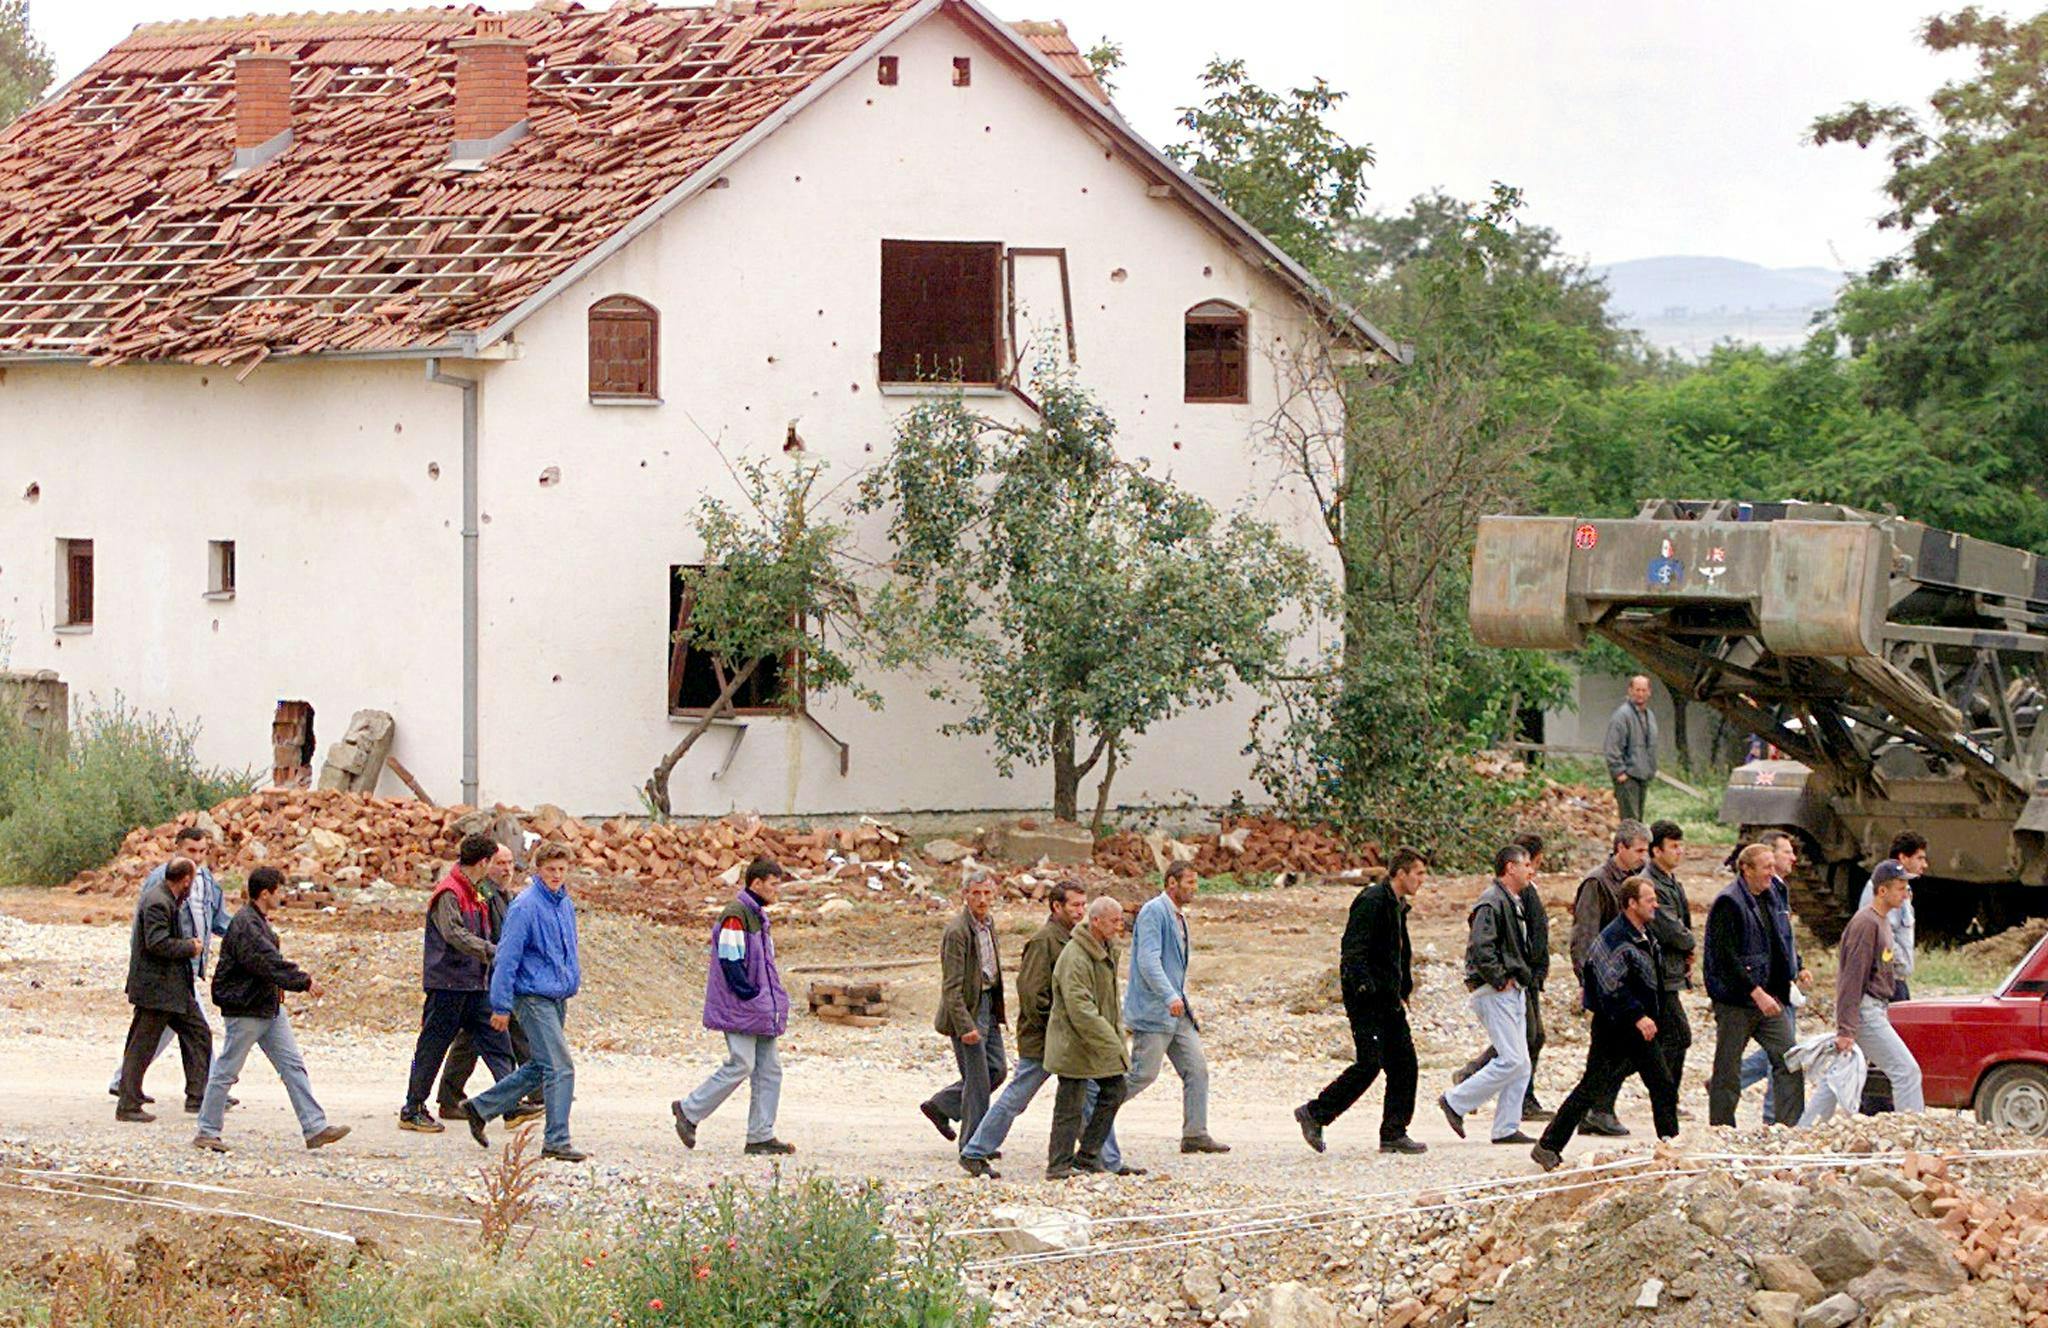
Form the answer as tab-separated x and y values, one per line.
1230	883
1954	972
1700	818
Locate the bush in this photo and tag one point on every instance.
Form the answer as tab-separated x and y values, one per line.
124	768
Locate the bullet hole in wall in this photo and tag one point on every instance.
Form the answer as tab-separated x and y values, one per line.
487	518
398	428
792	441
550	477
1119	275
203	380
216	624
1208	271
556	678
643	465
771	359
1176	447
433	470
854	386
32	492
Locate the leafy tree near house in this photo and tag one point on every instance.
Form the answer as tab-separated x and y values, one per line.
775	585
1066	599
25	64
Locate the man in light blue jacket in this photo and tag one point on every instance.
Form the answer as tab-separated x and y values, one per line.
1156	1009
206	913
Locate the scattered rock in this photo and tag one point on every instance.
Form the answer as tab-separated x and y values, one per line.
1918	1261
946	852
1783	1272
1836	1311
1292	1305
1646	1299
1839	1249
1201	1282
1032	1229
1776	1309
1051	841
1710	1213
835	907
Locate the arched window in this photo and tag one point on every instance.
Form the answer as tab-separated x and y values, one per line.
625	350
1215	352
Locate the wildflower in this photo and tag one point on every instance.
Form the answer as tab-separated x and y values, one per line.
732	1244
655	1305
589	1262
703	1271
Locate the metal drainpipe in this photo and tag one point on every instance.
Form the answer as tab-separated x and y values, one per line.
470	653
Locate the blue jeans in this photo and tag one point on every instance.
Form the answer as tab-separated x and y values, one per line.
281	1049
1026	1079
542	1018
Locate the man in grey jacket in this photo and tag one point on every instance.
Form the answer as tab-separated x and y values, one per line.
1631	749
160	951
206	914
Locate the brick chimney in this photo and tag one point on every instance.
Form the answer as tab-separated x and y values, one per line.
490	90
263	94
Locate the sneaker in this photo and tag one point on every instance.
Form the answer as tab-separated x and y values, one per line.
1603	1123
565	1153
332	1134
476	1123
1311	1128
1516	1138
978	1166
135	1117
523	1113
770	1148
209	1143
419	1122
1450	1114
939	1121
686	1129
1202	1143
1401	1143
1546	1158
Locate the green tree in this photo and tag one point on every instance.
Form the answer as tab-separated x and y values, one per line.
25	64
1067	599
774	586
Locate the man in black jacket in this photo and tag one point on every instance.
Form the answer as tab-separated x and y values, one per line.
161	945
455	971
1677	947
1496	973
1536	925
1749	970
498	890
1623	982
251	973
1374	971
1598	903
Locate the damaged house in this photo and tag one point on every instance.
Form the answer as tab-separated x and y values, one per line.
373	361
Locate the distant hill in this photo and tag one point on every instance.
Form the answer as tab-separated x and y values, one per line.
1690	304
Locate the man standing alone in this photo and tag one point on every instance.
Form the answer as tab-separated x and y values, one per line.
1631	750
1375	972
1496	972
970	1013
1597	904
161	948
1671	927
1749	974
1084	1043
1863	998
1156	1007
744	999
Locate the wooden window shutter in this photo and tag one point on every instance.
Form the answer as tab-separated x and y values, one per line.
625	348
942	311
1215	341
78	582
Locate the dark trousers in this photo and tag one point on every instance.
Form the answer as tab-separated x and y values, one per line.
1072	1142
1628	796
1618	1050
461	1064
1380	1042
982	1071
1674	1035
1533	1028
195	1048
442	1016
1735	1027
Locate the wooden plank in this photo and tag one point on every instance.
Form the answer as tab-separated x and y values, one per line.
405	778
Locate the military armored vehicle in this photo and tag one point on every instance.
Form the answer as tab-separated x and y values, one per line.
1897	669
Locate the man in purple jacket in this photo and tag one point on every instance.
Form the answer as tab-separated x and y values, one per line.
744	999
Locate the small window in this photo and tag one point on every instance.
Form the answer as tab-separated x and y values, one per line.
695	679
963	71
74	582
1215	346
625	350
941	311
220	568
885	71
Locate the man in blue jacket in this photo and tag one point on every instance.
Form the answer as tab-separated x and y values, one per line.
534	973
1156	1009
1749	970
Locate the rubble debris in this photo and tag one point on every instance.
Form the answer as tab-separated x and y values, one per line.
1246	845
855	1004
356	763
1029	841
1034	1229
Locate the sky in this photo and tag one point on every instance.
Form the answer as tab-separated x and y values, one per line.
1635	128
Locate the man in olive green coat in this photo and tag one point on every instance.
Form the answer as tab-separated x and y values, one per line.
1084	1042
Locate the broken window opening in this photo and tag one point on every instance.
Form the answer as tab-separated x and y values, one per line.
942	312
1215	343
625	350
696	677
963	71
885	71
220	568
291	745
74	564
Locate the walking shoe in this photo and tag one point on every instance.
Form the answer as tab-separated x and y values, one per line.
996	1155
1092	1165
147	1100
1451	1115
135	1117
1060	1171
1516	1138
332	1134
978	1166
1202	1143
939	1121
770	1148
1128	1171
476	1124
209	1143
449	1111
1311	1128
1461	1074
565	1153
686	1129
192	1108
1603	1123
523	1113
419	1122
1401	1143
1546	1158
1536	1111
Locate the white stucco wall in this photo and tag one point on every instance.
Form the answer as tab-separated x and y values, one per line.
769	294
348	556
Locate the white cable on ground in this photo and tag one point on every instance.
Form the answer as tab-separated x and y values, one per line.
105	1178
102	1196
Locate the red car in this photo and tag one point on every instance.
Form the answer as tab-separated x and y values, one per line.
1987	1052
